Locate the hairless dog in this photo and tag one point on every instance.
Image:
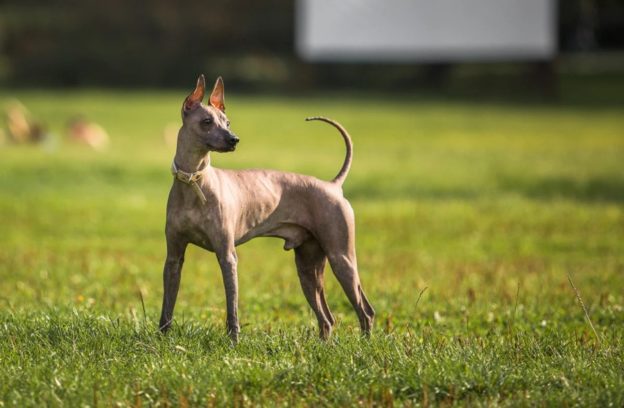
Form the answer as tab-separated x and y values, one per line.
218	209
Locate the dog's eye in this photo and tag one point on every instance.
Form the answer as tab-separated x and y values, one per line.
207	121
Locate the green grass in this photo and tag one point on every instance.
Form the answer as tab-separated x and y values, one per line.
487	206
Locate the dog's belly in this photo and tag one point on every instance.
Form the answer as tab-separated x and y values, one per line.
292	234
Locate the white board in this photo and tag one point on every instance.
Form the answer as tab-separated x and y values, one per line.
425	30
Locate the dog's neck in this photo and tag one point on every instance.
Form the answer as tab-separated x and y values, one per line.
187	158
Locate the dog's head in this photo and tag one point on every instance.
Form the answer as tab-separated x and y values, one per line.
207	126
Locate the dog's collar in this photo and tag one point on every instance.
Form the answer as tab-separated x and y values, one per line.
190	179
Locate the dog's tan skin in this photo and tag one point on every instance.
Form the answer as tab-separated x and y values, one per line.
311	215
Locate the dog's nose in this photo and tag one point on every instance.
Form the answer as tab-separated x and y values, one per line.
233	140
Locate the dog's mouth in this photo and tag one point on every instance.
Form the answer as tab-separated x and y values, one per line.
222	149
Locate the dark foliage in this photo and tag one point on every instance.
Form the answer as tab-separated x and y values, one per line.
163	43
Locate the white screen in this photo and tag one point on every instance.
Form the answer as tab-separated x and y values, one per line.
425	30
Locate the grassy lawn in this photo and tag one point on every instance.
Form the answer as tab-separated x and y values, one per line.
486	207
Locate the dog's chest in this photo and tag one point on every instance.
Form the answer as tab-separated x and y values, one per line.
189	218
201	227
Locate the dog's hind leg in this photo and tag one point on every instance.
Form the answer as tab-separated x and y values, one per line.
345	269
338	241
310	260
328	313
172	273
367	306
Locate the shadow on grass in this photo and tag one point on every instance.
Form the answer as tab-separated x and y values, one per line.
64	177
607	189
593	189
365	191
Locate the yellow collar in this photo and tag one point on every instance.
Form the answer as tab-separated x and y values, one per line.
189	178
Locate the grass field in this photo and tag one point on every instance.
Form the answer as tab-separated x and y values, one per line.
483	208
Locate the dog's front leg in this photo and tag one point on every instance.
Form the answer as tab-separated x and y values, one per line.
228	262
172	273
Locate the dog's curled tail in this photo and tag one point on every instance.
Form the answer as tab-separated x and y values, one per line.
344	171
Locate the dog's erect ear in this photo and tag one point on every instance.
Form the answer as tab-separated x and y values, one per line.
194	99
217	97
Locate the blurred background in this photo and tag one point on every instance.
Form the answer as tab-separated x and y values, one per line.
479	48
489	143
